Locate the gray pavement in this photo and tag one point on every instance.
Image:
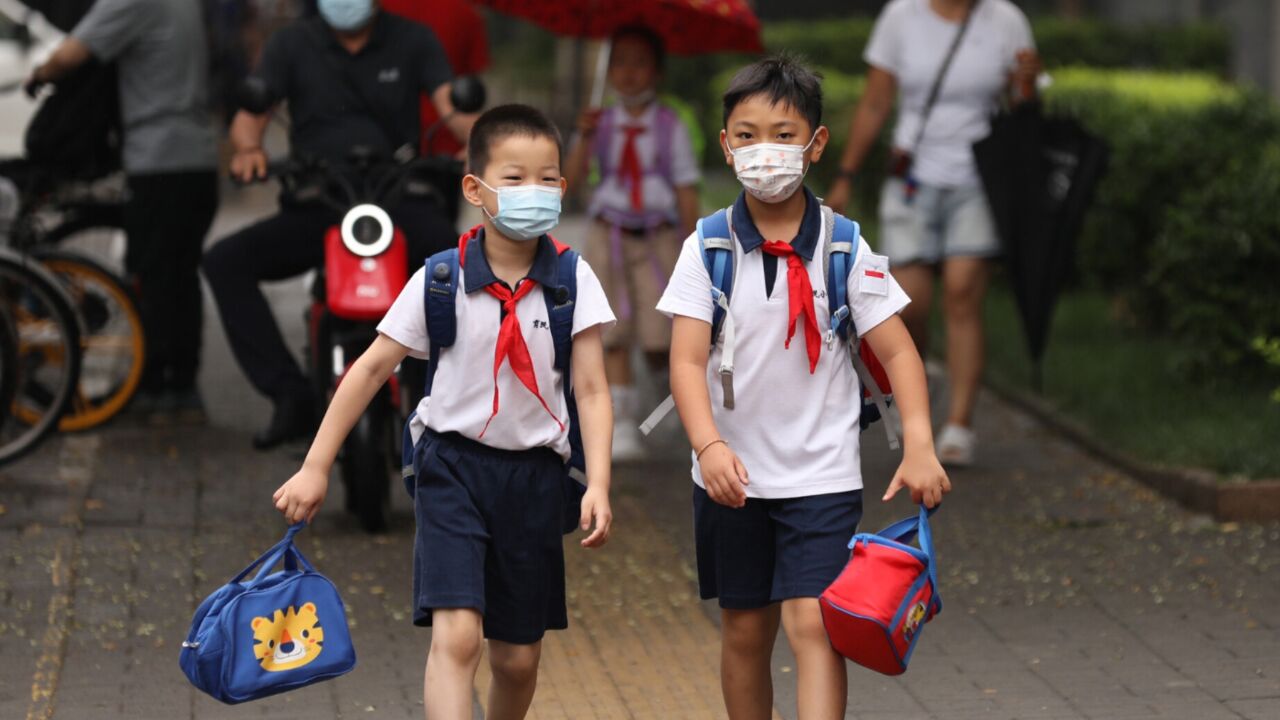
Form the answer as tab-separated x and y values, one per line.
1070	591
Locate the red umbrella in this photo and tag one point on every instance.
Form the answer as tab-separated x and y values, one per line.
688	27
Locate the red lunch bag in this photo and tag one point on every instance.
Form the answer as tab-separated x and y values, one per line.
875	611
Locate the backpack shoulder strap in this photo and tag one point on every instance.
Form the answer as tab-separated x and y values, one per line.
561	301
665	121
602	143
441	301
715	240
560	304
841	249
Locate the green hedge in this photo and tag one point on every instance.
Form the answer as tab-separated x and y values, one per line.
1196	46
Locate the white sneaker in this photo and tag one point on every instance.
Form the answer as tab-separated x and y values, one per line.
627	443
955	446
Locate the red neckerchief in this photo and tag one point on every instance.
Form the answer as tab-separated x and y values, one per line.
801	300
629	170
511	345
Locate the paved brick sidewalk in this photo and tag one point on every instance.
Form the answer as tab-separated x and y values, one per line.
1070	591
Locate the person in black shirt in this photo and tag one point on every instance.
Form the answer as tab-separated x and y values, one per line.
351	77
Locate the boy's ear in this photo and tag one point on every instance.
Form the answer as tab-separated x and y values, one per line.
564	186
724	146
820	139
471	190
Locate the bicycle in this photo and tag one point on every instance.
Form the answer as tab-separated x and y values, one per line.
75	228
40	353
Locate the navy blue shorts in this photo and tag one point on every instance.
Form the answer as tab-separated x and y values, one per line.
489	536
772	550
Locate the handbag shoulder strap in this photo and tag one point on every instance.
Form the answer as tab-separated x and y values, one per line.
942	73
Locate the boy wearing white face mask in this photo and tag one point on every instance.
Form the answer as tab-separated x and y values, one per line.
492	440
776	463
645	201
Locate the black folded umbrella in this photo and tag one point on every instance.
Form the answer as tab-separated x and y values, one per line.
1040	173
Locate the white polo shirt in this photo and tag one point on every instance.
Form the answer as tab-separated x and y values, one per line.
659	196
796	433
462	397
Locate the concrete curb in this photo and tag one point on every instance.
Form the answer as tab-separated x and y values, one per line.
1198	490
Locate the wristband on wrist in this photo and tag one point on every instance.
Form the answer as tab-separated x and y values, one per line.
698	456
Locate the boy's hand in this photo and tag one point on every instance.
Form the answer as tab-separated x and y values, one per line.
300	497
922	474
588	121
724	475
595	506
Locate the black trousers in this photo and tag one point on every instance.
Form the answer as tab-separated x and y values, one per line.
166	219
285	246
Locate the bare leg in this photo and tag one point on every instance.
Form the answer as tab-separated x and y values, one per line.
515	677
821	676
456	637
916	280
964	282
746	646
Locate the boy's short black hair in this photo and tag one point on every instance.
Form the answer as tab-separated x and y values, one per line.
504	121
781	79
647	35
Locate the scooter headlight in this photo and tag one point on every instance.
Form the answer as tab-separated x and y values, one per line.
367	230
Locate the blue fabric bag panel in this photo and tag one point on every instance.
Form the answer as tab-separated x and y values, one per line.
269	634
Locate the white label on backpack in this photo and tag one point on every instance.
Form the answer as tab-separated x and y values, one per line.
873	275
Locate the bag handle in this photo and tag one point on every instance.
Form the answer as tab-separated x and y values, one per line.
909	528
272	556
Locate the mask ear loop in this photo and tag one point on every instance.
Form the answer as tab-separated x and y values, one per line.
497	198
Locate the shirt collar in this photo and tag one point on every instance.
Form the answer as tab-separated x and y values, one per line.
478	275
804	242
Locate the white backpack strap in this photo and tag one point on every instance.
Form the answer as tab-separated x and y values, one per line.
728	333
877	397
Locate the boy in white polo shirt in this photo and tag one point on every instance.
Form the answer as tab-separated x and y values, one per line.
778	482
490	463
645	202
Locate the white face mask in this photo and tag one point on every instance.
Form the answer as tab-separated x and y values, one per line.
525	212
644	97
771	172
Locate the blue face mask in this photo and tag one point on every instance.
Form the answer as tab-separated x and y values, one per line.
346	15
525	212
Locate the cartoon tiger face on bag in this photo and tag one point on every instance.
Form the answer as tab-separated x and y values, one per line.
289	639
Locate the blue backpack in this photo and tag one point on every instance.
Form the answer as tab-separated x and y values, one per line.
276	632
716	241
443	273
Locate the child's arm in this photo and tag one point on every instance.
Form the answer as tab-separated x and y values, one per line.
595	416
577	165
723	474
689	208
300	497
920	471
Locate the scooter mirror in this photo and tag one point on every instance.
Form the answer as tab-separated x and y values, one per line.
467	94
254	95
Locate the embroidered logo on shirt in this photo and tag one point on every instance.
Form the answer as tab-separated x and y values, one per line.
389	75
540	325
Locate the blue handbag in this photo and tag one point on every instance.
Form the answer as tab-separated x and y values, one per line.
275	632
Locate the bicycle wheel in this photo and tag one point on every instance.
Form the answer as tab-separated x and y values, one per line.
8	364
49	354
112	341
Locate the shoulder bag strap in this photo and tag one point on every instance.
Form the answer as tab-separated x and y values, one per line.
942	73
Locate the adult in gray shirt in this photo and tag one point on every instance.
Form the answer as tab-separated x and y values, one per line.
170	158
